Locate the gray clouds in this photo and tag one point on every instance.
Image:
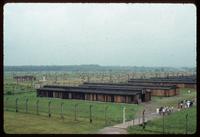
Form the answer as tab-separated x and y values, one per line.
105	34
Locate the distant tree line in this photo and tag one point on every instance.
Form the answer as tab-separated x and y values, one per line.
88	68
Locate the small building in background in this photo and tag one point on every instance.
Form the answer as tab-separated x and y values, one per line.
24	78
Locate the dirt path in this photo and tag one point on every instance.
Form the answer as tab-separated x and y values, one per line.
122	128
150	113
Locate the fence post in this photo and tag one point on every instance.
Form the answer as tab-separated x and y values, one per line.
16	102
49	105
143	119
106	108
26	105
139	120
37	106
62	116
186	126
90	113
6	103
124	115
75	112
163	124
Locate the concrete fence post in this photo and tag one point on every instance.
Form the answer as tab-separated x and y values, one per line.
49	106
6	103
62	116
186	123
124	115
37	107
163	124
139	120
26	105
16	102
90	113
106	108
143	119
75	112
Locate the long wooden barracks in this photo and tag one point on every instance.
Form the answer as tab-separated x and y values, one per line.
156	90
180	82
135	91
119	95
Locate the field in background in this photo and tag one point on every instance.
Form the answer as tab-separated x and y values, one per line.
68	78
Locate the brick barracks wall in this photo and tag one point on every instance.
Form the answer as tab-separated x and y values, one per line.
164	93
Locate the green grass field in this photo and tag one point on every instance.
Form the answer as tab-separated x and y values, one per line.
173	124
21	123
99	118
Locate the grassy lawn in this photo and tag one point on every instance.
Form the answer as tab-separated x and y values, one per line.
34	123
174	124
20	123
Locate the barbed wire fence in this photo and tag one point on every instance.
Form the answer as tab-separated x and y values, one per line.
75	111
166	126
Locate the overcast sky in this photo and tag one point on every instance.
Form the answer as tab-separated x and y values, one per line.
104	34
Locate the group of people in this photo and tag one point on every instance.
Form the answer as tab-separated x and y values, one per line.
164	110
168	109
185	104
